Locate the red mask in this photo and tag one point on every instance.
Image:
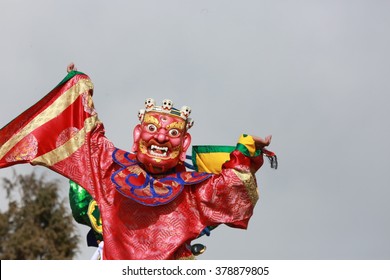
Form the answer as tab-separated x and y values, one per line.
161	142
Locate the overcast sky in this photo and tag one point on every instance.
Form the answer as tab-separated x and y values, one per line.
314	74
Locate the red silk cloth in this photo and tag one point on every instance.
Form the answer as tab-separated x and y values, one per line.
63	133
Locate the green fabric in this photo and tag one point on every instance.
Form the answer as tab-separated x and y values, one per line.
70	75
212	149
79	200
243	149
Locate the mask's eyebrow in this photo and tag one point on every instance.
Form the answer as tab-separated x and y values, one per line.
178	125
150	119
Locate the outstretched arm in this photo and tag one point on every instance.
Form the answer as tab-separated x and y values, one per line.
229	197
57	131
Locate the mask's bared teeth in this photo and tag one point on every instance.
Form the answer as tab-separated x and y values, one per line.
158	151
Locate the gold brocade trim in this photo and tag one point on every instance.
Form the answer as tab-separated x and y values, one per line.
250	184
58	106
72	145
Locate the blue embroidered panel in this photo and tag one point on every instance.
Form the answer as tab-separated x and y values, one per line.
134	182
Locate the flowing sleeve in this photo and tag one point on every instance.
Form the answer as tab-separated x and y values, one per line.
60	131
230	196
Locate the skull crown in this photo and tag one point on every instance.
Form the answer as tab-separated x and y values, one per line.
166	107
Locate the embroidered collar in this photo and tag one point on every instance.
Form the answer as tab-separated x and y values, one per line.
134	182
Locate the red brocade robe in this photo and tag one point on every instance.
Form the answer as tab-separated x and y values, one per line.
143	217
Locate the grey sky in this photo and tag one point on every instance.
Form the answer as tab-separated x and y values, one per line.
314	74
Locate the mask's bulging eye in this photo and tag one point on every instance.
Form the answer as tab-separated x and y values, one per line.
151	128
174	132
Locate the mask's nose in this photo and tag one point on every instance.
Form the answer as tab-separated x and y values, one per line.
161	136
